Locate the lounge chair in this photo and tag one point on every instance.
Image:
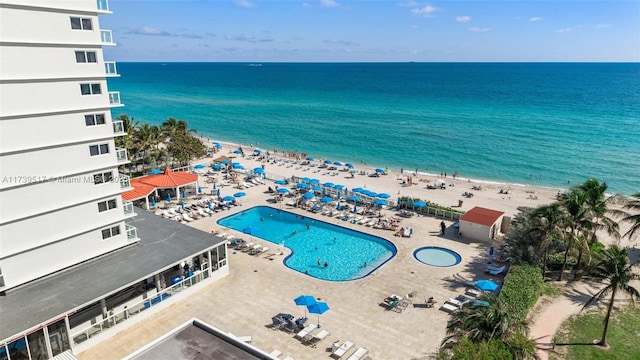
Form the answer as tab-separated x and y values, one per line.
315	339
359	354
289	358
259	251
473	292
306	331
186	217
342	350
495	270
450	308
275	353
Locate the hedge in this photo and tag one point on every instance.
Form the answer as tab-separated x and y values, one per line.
521	289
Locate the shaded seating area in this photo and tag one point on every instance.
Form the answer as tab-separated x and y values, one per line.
342	350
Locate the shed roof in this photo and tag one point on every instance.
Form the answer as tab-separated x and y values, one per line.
482	216
143	186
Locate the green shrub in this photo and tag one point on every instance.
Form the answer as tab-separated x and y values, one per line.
521	289
468	350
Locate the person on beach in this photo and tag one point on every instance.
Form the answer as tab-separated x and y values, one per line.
443	227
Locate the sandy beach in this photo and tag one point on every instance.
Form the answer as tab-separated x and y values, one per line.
258	287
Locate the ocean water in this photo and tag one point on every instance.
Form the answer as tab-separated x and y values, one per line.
542	124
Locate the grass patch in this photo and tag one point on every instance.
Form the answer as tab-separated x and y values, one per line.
552	290
582	329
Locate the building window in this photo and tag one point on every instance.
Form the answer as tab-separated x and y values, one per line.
102	178
90	89
81	23
110	232
107	205
101	149
94	119
86	57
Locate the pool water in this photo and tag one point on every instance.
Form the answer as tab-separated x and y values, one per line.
437	256
314	242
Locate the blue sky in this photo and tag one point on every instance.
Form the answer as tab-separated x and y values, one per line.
373	31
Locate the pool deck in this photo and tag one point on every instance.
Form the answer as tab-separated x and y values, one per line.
260	287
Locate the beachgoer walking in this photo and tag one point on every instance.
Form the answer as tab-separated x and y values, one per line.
443	227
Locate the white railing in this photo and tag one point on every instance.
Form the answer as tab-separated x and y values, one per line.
127	207
125	181
135	309
110	68
114	98
102	5
121	156
106	37
132	232
118	127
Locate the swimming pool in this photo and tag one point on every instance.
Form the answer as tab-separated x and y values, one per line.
314	242
437	256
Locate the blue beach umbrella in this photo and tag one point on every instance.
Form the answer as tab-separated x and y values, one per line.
280	182
309	158
328	162
155	172
224	162
338	163
380	202
328	184
258	170
308	195
283	191
239	194
228	198
305	300
338	187
199	166
217	146
326	199
318	308
237	152
305	179
371	194
216	166
316	188
214	186
314	181
354	198
256	150
350	166
378	170
302	186
486	285
384	196
357	190
419	204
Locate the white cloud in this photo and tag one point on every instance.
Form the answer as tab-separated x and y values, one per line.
241	37
602	26
414	26
340	42
147	30
244	3
568	29
478	29
463	19
425	11
535	18
329	3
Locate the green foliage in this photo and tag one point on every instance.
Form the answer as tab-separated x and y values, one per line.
520	241
492	350
521	289
548	289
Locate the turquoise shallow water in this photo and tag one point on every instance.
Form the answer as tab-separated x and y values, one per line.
314	242
525	123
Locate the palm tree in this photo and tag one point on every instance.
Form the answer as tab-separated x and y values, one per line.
634	219
597	207
577	221
549	224
484	322
615	269
148	137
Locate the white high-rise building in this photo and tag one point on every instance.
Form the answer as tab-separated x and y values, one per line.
60	201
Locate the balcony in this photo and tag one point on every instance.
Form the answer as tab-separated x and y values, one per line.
118	128
106	37
103	5
132	232
114	99
127	207
121	156
110	68
125	182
